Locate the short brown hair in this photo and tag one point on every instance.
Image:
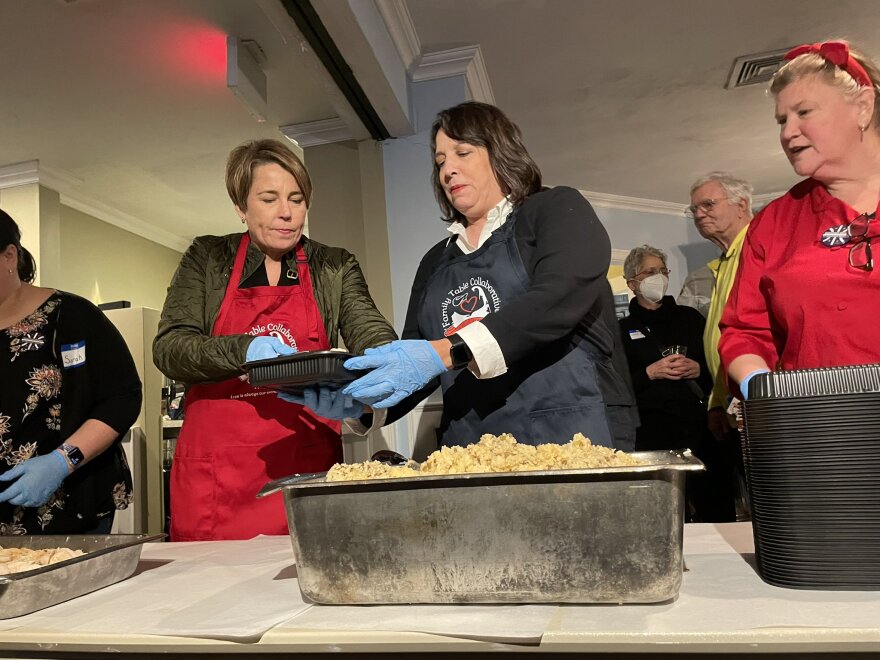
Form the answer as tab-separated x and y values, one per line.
814	64
245	158
484	125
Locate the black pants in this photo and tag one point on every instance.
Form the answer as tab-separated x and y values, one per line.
711	495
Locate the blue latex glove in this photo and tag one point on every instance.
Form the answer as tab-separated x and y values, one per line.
265	347
399	369
744	383
332	404
36	479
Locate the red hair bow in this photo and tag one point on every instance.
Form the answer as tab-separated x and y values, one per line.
836	52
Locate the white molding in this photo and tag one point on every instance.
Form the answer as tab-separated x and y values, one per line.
608	201
19	174
30	171
401	29
478	80
466	61
312	133
443	63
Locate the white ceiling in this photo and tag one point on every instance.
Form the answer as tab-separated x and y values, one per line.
124	102
627	97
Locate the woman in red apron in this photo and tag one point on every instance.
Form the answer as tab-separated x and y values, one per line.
276	299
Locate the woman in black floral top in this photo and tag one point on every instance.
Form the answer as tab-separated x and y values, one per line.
69	391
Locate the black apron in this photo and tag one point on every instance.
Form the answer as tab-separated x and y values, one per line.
546	397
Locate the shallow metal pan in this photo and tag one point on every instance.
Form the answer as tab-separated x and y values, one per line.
109	558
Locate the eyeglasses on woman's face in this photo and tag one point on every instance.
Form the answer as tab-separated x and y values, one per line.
649	272
706	206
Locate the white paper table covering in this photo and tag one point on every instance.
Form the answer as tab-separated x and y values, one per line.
722	592
235	590
522	624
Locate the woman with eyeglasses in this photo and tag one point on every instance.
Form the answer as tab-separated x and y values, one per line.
664	348
806	289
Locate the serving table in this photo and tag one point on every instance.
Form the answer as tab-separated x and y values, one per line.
241	598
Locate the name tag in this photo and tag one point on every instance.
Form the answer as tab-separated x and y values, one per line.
636	334
73	355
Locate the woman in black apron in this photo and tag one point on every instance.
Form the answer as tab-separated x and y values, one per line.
512	315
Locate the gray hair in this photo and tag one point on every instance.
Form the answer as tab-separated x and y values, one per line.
632	265
736	189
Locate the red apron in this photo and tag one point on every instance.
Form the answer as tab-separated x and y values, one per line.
236	437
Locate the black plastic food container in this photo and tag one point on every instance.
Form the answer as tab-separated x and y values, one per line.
811	450
291	373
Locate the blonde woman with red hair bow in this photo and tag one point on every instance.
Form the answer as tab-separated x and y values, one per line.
806	292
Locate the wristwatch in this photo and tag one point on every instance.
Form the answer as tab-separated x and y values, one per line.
459	352
73	454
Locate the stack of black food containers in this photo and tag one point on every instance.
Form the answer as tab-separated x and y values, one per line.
812	456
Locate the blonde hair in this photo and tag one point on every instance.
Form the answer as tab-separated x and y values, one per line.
245	158
810	64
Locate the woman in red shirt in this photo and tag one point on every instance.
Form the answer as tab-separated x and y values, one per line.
806	292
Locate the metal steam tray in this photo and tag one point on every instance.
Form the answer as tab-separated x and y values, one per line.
109	558
291	373
609	535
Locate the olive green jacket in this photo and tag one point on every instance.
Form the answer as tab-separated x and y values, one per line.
184	348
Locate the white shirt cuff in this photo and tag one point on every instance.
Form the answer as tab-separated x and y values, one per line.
488	359
352	425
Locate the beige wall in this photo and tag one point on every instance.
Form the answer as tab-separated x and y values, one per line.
348	209
104	263
336	216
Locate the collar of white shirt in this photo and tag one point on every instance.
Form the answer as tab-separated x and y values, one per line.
497	217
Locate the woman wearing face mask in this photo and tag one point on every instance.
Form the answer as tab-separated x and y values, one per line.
670	386
664	348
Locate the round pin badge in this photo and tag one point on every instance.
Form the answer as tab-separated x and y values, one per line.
835	236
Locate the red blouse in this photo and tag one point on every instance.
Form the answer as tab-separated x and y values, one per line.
795	302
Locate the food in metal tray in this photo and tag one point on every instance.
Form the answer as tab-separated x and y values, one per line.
18	560
493	454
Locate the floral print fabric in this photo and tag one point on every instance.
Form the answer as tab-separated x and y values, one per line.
30	422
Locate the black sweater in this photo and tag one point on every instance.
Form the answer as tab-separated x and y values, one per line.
106	388
669	324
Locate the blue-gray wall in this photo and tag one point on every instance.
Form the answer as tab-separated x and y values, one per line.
686	250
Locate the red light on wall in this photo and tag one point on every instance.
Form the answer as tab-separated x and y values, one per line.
196	52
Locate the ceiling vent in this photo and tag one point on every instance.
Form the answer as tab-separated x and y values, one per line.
754	69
